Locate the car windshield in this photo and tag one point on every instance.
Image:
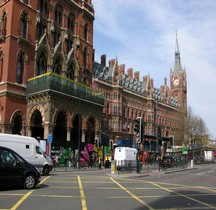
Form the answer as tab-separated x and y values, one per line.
39	150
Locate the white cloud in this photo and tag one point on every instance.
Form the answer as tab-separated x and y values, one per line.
142	35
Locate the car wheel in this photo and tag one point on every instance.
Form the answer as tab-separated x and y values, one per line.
46	170
29	181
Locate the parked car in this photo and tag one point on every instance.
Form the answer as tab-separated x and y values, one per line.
16	171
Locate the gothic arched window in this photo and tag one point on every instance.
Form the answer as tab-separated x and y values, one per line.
20	68
56	37
85	57
57	66
40	30
23	25
69	44
43	7
58	14
71	23
3	25
41	64
86	32
71	71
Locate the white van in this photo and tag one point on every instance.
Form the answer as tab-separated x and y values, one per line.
29	148
125	157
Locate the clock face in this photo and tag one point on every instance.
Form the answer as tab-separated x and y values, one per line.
176	82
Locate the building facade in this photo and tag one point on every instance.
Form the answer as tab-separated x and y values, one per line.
46	56
164	109
51	86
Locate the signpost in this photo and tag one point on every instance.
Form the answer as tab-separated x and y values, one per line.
49	139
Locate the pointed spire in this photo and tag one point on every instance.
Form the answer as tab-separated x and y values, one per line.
177	65
177	46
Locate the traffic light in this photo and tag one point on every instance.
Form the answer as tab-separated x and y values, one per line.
171	140
137	128
142	130
159	135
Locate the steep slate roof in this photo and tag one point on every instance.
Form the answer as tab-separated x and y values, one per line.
106	74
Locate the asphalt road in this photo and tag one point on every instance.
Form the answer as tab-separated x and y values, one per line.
100	190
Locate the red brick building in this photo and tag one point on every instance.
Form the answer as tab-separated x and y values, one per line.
46	71
46	58
127	96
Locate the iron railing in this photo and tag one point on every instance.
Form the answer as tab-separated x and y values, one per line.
56	83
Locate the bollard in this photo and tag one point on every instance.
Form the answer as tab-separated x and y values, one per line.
113	167
192	163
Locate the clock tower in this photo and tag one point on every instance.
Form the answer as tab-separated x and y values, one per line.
178	80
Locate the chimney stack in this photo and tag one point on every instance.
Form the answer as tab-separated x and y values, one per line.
103	60
130	72
122	68
137	75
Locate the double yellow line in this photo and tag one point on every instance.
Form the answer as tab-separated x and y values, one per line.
26	196
83	201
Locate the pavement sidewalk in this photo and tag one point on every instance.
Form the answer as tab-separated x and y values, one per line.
121	174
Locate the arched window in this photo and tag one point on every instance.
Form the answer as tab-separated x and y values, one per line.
58	15
3	25
41	64
69	44
23	25
56	37
85	57
40	30
86	32
43	7
20	68
57	66
71	23
71	71
1	64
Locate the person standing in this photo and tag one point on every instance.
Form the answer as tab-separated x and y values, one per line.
70	160
56	158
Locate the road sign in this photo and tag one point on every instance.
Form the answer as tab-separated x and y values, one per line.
49	138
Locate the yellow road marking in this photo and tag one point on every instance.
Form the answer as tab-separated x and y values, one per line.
182	195
132	195
83	201
26	196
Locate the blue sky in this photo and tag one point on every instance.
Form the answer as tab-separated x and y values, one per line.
142	34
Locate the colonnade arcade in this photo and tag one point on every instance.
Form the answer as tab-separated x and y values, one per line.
64	122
